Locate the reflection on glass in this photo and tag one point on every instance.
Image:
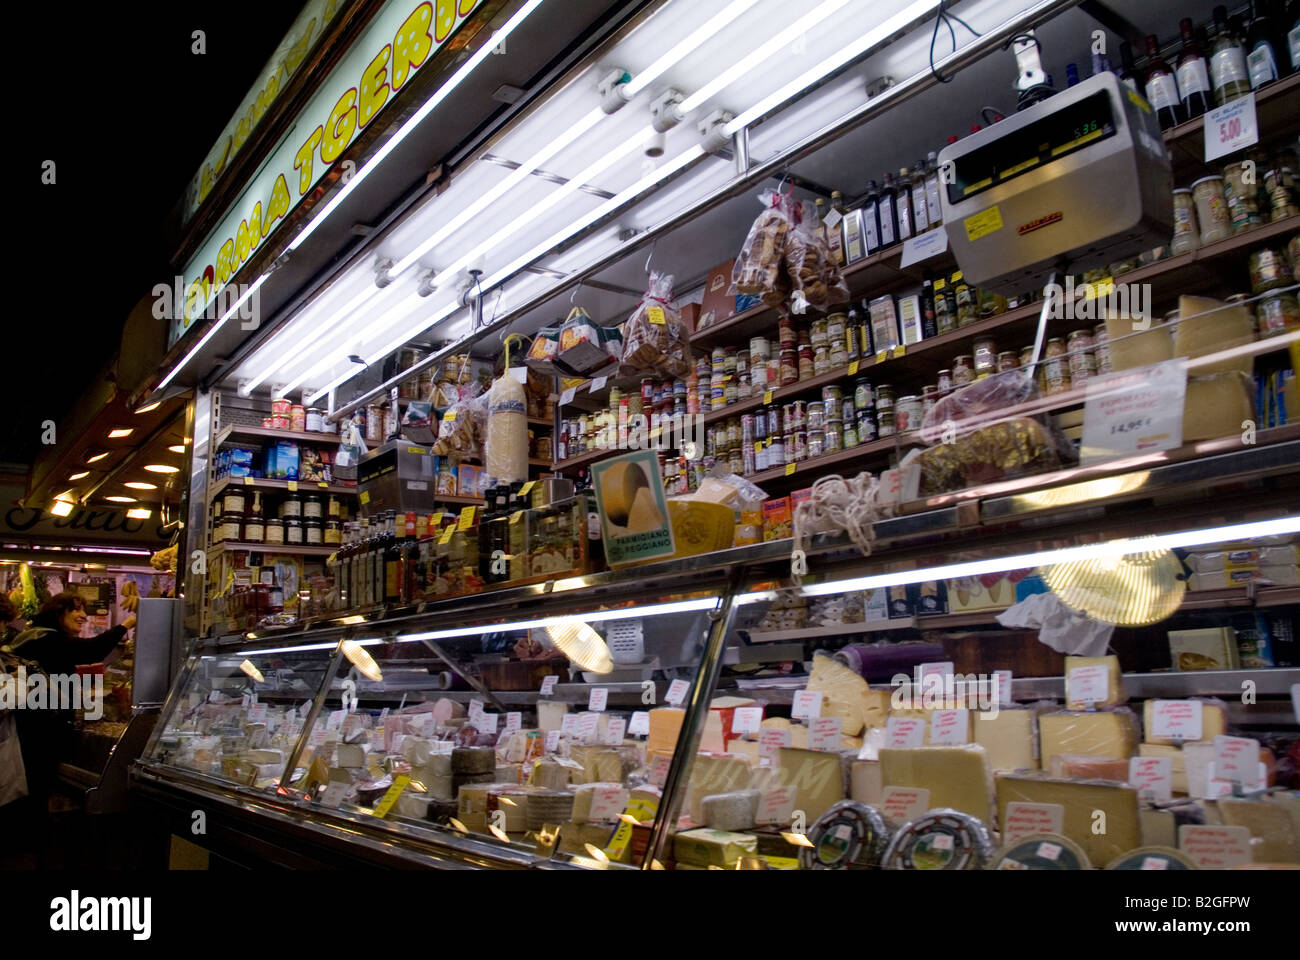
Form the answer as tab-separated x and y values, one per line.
1131	590
363	661
582	645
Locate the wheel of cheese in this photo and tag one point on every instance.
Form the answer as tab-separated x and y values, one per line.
1041	851
1152	858
849	833
942	839
473	760
618	489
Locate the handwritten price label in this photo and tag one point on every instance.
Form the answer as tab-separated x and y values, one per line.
1153	777
677	691
1177	719
552	741
747	720
807	704
901	732
824	733
1231	127
640	725
599	697
1236	759
1134	411
548	684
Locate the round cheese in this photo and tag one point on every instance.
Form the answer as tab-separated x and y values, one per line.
1152	858
941	839
849	833
1041	851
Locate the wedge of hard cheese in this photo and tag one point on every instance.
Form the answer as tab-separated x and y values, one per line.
957	777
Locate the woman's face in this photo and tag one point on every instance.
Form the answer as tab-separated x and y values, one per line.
73	621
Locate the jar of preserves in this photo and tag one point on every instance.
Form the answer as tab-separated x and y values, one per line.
1056	368
293	535
847	410
729	360
967	305
333	532
1280	187
866	426
962	370
232	527
839	356
233	500
1211	210
291	506
275	530
313	532
315	422
943	380
863	397
1082	363
821	361
1186	236
790	365
806	368
885	424
786	333
907	414
1242	198
849	435
1101	348
819	334
795	416
1027	355
884	398
800	447
254	530
1268	270
1007	360
986	353
816	443
816	419
298	417
311	507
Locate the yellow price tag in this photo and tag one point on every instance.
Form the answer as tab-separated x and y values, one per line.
957	277
449	416
790	468
899	350
365	497
386	802
248	481
882	356
418	451
322	484
293	486
448	532
767	397
466	518
523	491
940	283
853	368
656	316
516	516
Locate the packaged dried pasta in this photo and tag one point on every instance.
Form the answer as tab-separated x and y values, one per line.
815	278
759	270
656	340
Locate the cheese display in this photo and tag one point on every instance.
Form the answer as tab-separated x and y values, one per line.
1041	851
1088	805
848	834
715	773
1203	719
1087	767
844	693
1077	685
1211	326
1273	837
665	725
940	840
816	777
1008	736
1105	733
598	764
1216	406
1177	763
1153	857
731	811
957	777
719	848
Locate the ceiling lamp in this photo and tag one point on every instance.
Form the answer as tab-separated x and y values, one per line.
61	508
161	468
150	406
81	475
177	448
139	485
117	433
252	671
581	644
121	499
1129	590
363	661
139	513
93	456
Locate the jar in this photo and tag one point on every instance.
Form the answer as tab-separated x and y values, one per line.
816	418
806	368
776	452
967	305
816	443
962	370
293	532
274	530
1101	349
730	390
311	507
298	417
986	352
1082	363
1281	194
795	416
907	415
1211	210
1056	368
821	361
232	527
735	462
315	422
313	532
1186	238
849	435
839	355
254	530
333	531
1278	313
280	407
1268	270
885	424
790	365
847	410
832	398
991	304
1241	197
729	359
1027	355
266	423
884	398
944	381
759	349
232	500
1007	360
718	365
945	307
291	507
786	332
819	334
1293	251
800	447
863	397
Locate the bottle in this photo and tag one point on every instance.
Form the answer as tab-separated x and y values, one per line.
933	203
821	222
903	201
835	232
871	217
887	213
1162	88
1228	73
392	559
1193	73
1100	63
1071	74
1127	74
929	325
1264	53
920	212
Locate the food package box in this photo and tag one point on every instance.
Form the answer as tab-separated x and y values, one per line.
1254	640
716	848
1279	575
1104	733
900	602
1221	580
1081	800
884	323
718	306
690	314
1212	326
582	349
995	591
1213	719
467	480
1217	406
282	460
1208	648
929	599
957	777
1218	561
777	519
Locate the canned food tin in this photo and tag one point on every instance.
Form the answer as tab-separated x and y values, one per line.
884	398
907	414
1007	360
885	424
816	419
962	371
759	349
944	378
816	443
281	407
1278	313
866	427
985	355
863	396
718	365
1269	269
729	360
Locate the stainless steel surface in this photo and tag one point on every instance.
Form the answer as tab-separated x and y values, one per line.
159	627
895	96
1174	684
397	475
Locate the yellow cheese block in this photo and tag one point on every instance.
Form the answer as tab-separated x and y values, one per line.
619	487
1159	829
599	764
700	527
718	848
1272	833
1100	817
1214	721
1206	332
1009	737
1129	349
574	837
875	708
798	732
865	782
1114	685
925	715
665	725
957	777
550	715
1177	763
1106	733
711	740
816	776
644	515
715	773
744	748
843	692
1216	406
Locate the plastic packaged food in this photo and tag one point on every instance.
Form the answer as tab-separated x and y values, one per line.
813	272
758	269
656	340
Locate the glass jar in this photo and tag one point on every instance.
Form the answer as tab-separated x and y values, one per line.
816	415
311	507
820	334
884	398
945	307
849	434
313	532
1278	313
232	527
254	530
274	530
986	353
907	415
963	371
1186	237
291	506
1279	186
333	531
1007	360
806	368
233	500
821	361
885	424
1101	349
816	443
1211	210
863	397
293	535
1242	198
1083	364
1268	270
866	426
315	420
968	310
943	380
790	365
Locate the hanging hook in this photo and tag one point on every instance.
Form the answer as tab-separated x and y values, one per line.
574	296
654	243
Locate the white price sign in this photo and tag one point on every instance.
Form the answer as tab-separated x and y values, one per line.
569	725
807	704
1236	759
1134	411
903	732
1231	127
588	724
659	769
552	741
1153	777
677	691
1088	684
599	697
486	723
640	725
824	733
598	384
514	720
475	708
1003	680
902	804
747	720
923	247
615	730
335	721
1177	719
566	397
949	727
770	741
776	806
548	684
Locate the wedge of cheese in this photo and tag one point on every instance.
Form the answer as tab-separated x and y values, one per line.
1212	326
1214	720
1082	766
1114	683
1100	817
716	773
1009	737
1177	763
665	725
957	777
1106	733
844	693
1215	406
817	778
1273	836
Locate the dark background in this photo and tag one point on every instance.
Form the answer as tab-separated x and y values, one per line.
127	117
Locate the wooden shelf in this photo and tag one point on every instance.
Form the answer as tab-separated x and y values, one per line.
463	501
237	430
304	550
1277	114
540	422
282	486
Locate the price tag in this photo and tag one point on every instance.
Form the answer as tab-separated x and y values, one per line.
940	284
1088	685
588	725
1236	759
566	397
475	709
824	734
486	723
677	691
1026	819
942	842
790	469
853	367
322	484
746	720
1215	848
1231	127
519	374
386	802
898	351
569	726
935	675
334	793
949	727
335	721
1002	679
899	485
767	397
552	741
293	486
832	219
807	704
776	806
882	356
449	416
527	488
923	247
548	684
257	713
903	732
248	481
466	520
640	725
607	804
514	721
1177	719
656	316
597	700
659	768
1214	787
598	384
902	804
448	532
516	516
1153	777
1134	411
365	497
770	741
614	731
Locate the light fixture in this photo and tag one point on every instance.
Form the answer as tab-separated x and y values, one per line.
253	287
149	406
161	468
498	833
117	433
582	645
252	671
1135	590
176	448
140	485
139	513
597	853
81	475
121	499
61	508
92	457
363	661
595	616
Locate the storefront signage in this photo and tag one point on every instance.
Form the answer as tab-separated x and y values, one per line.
400	39
83	525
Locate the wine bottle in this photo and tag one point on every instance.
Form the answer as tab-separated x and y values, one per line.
1162	87
1228	74
1193	73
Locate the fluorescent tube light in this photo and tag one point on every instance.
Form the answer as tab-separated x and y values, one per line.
687	46
252	288
595	616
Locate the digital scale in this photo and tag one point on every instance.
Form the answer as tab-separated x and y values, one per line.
1074	182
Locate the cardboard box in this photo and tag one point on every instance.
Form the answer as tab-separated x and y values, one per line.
1211	648
282	460
929	599
777	519
989	592
468	480
690	314
717	305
